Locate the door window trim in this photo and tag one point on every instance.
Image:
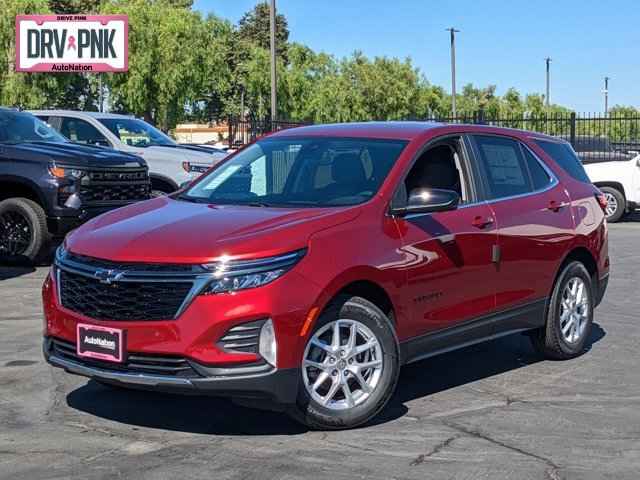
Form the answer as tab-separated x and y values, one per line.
485	187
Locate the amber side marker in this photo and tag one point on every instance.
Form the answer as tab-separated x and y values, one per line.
311	316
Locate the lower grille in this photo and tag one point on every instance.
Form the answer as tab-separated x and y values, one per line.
242	338
174	366
126	301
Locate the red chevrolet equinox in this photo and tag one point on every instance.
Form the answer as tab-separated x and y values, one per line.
307	268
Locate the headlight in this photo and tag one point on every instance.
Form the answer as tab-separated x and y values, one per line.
233	275
62	172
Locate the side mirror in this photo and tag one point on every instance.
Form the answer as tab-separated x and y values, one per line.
427	200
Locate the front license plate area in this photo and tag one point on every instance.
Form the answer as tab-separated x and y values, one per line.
101	343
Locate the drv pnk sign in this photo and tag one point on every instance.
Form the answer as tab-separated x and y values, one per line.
72	43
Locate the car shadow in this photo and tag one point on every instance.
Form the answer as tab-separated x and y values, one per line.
7	272
631	217
215	416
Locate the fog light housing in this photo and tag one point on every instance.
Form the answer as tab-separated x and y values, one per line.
268	347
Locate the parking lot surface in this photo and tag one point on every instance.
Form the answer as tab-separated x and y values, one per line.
491	411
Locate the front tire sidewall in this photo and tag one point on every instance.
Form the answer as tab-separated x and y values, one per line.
620	211
316	415
35	216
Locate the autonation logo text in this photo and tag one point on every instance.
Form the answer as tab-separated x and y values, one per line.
71	43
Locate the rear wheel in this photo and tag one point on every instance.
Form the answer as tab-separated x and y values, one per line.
569	315
616	204
349	368
23	231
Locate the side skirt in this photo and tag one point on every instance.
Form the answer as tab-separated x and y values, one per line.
506	322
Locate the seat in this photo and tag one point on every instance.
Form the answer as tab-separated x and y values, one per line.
348	176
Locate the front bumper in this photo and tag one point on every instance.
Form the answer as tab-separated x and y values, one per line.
59	226
277	385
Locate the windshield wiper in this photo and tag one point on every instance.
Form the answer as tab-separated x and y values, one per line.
187	198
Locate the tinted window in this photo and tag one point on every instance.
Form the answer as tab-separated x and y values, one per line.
504	165
21	127
79	131
563	155
301	172
539	177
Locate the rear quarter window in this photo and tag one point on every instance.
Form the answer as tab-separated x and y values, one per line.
563	155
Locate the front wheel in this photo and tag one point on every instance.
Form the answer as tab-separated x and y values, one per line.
349	368
569	315
24	236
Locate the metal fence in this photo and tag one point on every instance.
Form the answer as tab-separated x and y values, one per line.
595	137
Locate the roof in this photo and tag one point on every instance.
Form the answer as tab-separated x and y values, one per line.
77	113
386	130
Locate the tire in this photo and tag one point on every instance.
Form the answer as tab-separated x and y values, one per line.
550	340
354	314
618	204
16	211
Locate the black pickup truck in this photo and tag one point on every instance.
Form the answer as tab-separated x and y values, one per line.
49	185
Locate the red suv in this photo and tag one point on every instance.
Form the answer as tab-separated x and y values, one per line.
312	264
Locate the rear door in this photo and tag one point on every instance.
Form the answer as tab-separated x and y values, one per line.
535	225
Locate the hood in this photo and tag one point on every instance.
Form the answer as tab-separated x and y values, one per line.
71	154
186	154
164	230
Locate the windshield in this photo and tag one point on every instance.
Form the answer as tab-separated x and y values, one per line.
314	172
22	127
136	133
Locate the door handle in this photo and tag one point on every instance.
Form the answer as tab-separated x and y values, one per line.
482	222
556	206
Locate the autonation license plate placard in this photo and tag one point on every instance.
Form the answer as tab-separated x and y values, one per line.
101	343
72	43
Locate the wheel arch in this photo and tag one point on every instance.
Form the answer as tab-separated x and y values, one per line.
581	254
158	179
617	185
12	187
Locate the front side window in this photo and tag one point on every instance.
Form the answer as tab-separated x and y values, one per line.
136	133
504	164
21	127
292	172
79	131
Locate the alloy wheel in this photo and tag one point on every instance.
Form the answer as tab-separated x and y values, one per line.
15	233
612	204
342	364
574	310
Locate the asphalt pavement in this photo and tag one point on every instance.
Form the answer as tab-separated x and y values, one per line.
494	411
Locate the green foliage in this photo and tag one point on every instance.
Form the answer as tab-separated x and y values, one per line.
254	28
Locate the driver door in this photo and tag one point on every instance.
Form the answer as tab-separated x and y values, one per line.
450	270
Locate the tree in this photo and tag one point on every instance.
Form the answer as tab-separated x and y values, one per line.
254	28
74	6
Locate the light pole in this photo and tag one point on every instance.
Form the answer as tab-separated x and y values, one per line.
606	96
272	22
548	62
453	32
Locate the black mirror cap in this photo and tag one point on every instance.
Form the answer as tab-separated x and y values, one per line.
428	200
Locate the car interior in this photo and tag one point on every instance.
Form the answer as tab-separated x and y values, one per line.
440	166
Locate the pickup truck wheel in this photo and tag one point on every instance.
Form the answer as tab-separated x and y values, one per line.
616	204
569	315
349	368
23	231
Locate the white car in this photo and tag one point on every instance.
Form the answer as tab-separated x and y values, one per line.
170	164
619	180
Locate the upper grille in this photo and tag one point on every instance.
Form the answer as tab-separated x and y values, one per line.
138	267
126	301
135	363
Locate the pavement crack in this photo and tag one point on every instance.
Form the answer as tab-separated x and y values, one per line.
438	448
552	473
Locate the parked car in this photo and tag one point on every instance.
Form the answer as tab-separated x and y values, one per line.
593	149
619	180
170	164
49	186
308	267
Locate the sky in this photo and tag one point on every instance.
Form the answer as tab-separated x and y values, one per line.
500	42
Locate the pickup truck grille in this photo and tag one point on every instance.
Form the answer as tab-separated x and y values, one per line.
120	300
115	186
